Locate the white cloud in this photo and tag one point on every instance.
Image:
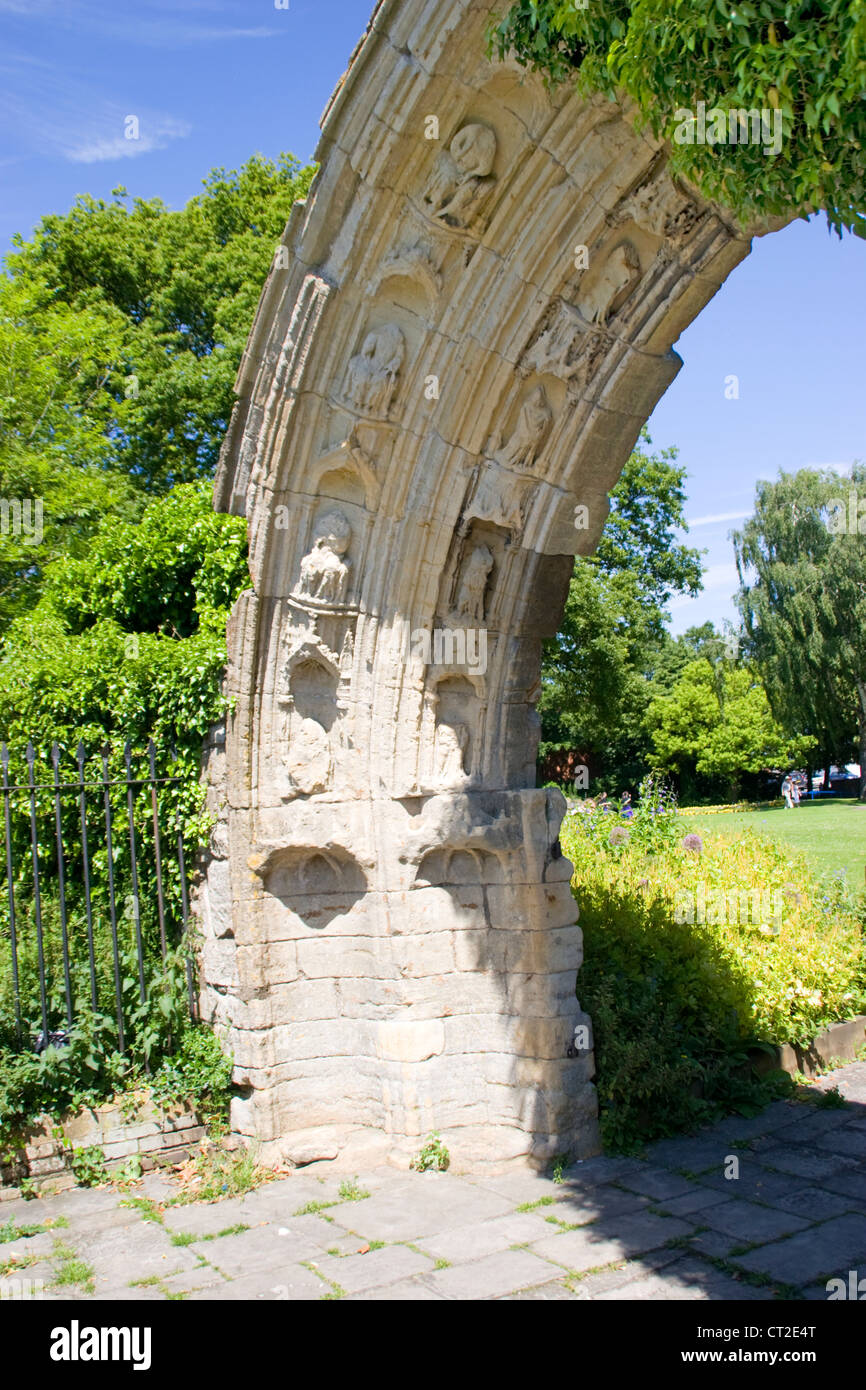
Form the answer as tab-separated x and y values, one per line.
148	21
716	518
48	112
100	149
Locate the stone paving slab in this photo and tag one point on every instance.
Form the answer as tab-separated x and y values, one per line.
716	1245
805	1128
689	1280
588	1286
488	1237
805	1163
43	1270
592	1247
848	1141
556	1292
266	1247
698	1155
422	1205
287	1286
406	1291
657	1183
848	1184
816	1203
122	1254
202	1277
694	1202
609	1205
26	1246
493	1276
746	1221
360	1273
755	1184
821	1252
773	1117
850	1081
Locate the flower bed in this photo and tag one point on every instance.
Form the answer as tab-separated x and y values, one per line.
693	954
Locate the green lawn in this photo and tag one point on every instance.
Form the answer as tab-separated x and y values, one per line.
831	834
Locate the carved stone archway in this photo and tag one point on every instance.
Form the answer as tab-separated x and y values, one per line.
438	392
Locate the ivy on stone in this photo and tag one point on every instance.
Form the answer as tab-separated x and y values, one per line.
803	62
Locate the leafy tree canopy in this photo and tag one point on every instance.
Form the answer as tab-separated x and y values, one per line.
802	565
802	58
121	329
169	297
129	640
596	671
719	729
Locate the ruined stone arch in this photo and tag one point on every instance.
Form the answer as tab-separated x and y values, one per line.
415	259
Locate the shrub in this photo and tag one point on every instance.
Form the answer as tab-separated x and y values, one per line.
675	1002
199	1073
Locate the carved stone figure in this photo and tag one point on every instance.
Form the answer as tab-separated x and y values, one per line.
621	272
372	375
533	427
462	177
473	584
559	344
659	208
309	761
499	497
324	573
452	742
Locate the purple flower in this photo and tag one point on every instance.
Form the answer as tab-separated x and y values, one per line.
693	843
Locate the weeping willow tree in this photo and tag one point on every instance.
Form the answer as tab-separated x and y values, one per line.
802	565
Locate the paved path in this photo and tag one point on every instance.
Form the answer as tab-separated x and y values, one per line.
669	1226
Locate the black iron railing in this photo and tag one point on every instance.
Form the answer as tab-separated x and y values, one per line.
94	902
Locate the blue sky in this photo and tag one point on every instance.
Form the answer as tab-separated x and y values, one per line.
212	81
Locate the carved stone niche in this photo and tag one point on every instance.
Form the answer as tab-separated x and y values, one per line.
455	733
414	280
324	577
563	346
372	373
531	430
462	177
660	207
498	496
316	885
471	573
322	599
612	285
444	867
313	711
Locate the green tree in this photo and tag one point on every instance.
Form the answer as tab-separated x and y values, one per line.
178	291
128	641
55	416
802	565
121	329
715	725
802	59
597	672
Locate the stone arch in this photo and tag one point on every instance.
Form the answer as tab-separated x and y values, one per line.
454	259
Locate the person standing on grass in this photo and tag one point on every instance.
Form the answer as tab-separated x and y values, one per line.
788	793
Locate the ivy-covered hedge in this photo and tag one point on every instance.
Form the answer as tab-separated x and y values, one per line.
126	644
